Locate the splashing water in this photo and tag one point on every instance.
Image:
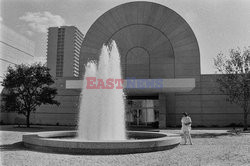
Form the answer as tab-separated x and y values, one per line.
102	111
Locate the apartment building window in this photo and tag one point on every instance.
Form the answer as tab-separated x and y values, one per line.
60	52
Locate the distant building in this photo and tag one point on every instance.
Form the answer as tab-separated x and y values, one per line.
64	44
14	49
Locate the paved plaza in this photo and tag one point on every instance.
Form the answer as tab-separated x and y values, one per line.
211	147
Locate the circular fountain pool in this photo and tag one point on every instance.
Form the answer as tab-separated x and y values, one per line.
65	142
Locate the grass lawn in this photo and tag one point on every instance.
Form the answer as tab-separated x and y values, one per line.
211	148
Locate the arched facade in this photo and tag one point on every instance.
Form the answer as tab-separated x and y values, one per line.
154	43
159	36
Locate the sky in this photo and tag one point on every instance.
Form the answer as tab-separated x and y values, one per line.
219	25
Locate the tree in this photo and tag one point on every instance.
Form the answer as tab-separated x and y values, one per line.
27	87
235	79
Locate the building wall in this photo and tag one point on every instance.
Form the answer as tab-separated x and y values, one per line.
208	108
14	49
65	114
214	104
52	50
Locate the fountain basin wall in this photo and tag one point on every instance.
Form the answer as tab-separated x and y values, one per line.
61	142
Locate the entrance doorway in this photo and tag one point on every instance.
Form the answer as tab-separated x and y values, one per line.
142	112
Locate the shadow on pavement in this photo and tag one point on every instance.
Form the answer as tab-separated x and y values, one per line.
209	135
12	147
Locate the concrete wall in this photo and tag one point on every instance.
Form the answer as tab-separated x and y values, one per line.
65	114
215	108
207	108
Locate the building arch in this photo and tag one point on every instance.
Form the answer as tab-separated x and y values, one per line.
170	41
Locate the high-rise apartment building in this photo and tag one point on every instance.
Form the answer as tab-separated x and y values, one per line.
63	50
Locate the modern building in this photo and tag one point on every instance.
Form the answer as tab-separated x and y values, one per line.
157	43
14	49
154	43
63	51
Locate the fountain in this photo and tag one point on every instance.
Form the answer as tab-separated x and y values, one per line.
105	120
101	124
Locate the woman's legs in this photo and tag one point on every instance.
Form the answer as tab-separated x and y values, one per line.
189	137
185	137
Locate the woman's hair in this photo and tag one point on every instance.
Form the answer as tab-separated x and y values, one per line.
185	114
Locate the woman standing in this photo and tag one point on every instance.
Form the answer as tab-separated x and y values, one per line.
186	127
